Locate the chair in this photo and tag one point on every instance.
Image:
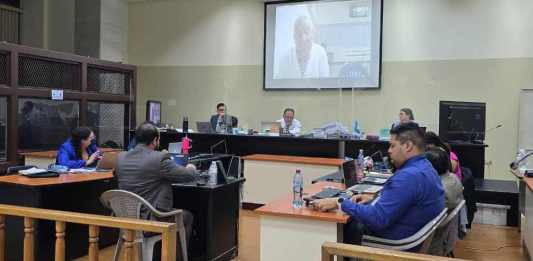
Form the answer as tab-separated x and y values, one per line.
469	194
423	236
447	233
234	121
128	205
15	169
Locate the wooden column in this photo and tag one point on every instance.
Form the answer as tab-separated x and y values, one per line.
2	238
128	245
168	245
60	241
94	233
28	239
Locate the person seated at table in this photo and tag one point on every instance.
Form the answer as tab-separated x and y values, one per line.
289	124
79	150
453	188
433	140
409	199
405	116
222	122
150	173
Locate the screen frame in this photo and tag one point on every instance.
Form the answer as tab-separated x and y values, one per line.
149	104
445	134
319	89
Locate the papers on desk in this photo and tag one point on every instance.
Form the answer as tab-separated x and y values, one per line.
82	170
32	171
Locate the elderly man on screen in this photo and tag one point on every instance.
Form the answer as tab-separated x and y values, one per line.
306	59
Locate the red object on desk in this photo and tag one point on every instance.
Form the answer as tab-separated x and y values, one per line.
185	145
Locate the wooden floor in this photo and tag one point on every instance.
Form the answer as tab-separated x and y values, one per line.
483	242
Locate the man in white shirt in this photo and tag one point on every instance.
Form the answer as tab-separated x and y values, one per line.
289	123
306	59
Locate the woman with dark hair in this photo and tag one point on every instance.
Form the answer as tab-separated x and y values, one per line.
433	140
453	188
79	151
405	116
453	195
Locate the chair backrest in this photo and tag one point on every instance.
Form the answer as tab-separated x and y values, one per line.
423	236
453	214
124	203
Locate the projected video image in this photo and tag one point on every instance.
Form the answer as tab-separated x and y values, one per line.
323	44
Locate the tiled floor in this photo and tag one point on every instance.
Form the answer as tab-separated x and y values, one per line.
483	242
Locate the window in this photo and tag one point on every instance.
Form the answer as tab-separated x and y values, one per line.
107	121
45	124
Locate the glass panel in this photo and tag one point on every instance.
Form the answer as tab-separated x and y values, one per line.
107	120
3	128
3	68
40	73
106	81
45	124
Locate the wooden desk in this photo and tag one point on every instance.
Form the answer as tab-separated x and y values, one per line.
42	159
298	234
270	176
68	192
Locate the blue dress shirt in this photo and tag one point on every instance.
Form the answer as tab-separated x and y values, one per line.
66	155
409	199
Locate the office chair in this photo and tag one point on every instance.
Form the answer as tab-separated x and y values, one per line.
127	204
234	121
423	236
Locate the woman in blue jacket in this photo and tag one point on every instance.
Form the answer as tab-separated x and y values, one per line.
79	151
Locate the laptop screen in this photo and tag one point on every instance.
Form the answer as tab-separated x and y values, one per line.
349	172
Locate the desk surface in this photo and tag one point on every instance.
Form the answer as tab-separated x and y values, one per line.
62	179
283	206
51	154
296	159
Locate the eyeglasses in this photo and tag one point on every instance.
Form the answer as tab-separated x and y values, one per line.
221	110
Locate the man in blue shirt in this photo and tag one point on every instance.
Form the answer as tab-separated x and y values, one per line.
410	199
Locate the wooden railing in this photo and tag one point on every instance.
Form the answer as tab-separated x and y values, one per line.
168	231
330	250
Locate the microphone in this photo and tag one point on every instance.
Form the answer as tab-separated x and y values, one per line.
514	164
217	144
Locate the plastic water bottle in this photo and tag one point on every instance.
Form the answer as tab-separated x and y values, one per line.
213	171
360	166
297	189
522	166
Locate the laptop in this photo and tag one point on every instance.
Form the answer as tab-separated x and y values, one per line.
204	127
350	179
349	169
107	162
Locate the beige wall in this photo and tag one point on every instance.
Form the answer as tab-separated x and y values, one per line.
193	54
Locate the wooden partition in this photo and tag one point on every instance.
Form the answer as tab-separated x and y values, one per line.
168	231
330	250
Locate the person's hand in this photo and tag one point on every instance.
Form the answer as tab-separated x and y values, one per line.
92	158
362	198
190	166
325	204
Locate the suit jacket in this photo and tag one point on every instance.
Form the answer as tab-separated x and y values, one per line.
227	120
150	174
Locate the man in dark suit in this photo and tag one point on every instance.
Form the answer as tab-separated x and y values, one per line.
150	173
222	122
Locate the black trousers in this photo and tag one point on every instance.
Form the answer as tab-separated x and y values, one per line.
354	231
188	220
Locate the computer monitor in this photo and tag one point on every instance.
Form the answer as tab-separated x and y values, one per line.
204	127
349	171
462	121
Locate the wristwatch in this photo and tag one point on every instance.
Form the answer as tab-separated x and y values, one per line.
339	201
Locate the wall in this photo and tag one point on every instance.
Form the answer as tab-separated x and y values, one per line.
193	54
